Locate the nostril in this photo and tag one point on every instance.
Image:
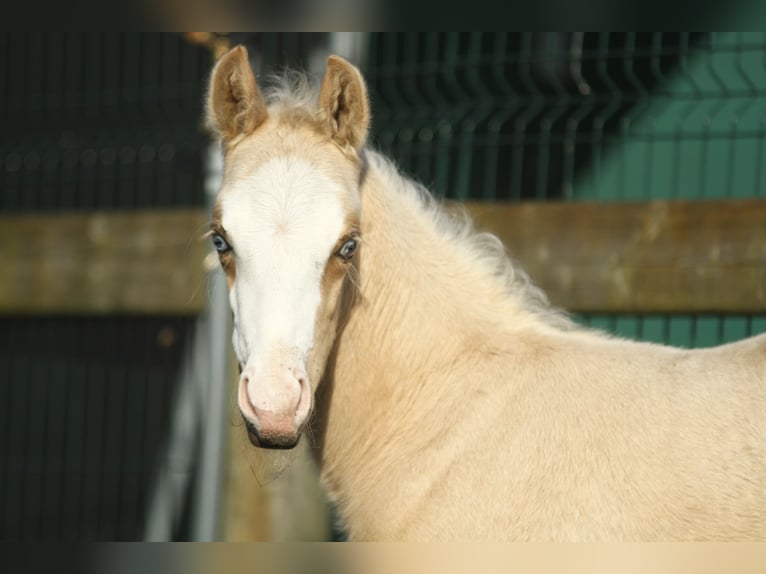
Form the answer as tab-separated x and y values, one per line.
299	375
303	406
245	404
301	392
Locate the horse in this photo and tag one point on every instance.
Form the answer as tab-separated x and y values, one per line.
446	398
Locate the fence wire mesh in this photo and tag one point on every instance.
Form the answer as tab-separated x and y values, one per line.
92	121
100	121
84	406
571	116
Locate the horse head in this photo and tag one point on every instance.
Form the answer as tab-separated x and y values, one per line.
286	229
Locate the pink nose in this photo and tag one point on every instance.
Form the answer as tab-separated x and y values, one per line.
279	408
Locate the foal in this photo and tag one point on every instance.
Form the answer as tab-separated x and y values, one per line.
449	401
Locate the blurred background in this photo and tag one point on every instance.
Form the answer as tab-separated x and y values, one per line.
116	398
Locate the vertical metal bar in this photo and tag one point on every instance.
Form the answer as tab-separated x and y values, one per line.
521	140
83	467
208	497
351	45
6	386
199	416
174	470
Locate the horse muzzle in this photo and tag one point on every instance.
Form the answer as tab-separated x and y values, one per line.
276	409
284	440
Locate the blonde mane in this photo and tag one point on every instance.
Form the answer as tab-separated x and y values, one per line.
455	224
293	95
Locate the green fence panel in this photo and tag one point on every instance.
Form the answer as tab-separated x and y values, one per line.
597	116
700	135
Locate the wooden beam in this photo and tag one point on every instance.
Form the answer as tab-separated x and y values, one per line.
700	256
707	256
119	262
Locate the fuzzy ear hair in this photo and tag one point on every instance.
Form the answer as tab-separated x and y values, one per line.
235	104
343	100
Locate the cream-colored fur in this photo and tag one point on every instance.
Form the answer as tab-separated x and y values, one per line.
454	404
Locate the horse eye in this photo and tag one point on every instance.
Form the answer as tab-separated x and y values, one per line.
348	248
220	243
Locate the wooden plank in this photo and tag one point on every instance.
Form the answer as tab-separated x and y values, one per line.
608	257
119	262
700	256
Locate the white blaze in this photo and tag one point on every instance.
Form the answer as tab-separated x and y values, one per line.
283	222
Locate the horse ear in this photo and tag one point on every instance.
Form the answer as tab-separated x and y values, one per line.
343	99
235	105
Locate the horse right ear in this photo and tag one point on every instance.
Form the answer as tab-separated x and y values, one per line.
344	104
235	104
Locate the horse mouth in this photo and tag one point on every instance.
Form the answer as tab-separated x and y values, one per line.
276	442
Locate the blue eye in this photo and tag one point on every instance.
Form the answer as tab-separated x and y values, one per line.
348	249
220	243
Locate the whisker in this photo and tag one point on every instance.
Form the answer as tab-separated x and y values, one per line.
352	274
198	235
207	265
210	262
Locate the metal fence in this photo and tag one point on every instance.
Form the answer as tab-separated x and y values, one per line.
93	121
612	116
111	121
100	120
578	117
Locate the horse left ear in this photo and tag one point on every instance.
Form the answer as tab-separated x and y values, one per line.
343	99
235	105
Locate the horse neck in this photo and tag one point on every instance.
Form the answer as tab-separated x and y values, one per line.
423	304
417	282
